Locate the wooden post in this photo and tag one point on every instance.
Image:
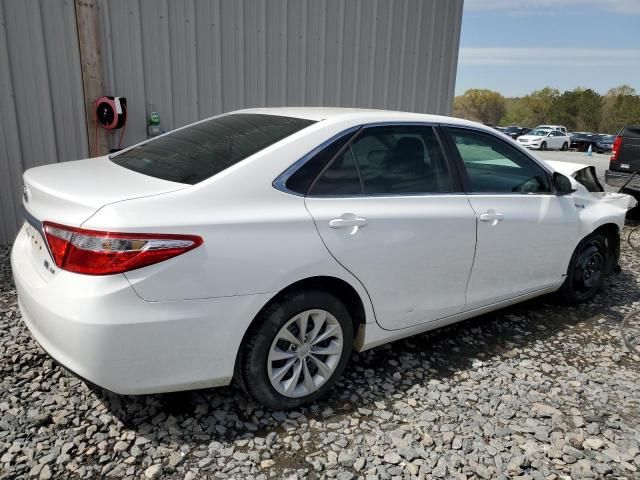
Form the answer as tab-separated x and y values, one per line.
90	42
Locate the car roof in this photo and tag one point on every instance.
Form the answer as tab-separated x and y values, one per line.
363	114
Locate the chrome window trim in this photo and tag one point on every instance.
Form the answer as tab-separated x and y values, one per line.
388	195
280	182
513	142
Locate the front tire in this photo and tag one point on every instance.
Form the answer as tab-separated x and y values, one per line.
586	270
296	350
543	146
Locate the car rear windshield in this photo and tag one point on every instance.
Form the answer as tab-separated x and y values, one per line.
195	153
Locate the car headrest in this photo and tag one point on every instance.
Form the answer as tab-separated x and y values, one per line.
409	146
375	158
407	153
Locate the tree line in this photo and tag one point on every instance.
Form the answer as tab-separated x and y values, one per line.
581	109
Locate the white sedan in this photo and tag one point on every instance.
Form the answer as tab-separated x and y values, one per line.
545	139
265	245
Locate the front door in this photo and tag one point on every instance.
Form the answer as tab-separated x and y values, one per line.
526	234
387	211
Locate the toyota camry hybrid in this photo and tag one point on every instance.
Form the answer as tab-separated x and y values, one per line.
265	245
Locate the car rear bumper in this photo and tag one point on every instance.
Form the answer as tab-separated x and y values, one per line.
101	330
618	179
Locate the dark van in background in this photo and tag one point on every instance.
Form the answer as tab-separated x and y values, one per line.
625	160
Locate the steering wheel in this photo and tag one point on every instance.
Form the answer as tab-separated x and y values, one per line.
531	185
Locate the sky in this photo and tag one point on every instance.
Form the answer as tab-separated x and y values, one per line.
517	46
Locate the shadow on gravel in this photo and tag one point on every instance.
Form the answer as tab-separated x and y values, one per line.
439	354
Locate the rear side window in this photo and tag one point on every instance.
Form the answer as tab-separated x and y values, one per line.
401	159
200	151
302	179
387	160
340	178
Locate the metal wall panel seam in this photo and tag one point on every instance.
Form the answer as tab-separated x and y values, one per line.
416	58
387	57
322	38
11	199
374	35
241	97
283	55
340	62
403	51
455	51
428	74
442	71
356	53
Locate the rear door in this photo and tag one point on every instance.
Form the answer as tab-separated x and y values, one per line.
389	209
526	234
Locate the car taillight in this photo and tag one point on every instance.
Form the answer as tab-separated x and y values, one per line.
103	253
615	150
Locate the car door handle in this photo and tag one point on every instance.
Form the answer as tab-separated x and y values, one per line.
347	222
492	216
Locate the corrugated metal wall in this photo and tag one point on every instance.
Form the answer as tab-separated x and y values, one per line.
41	101
195	58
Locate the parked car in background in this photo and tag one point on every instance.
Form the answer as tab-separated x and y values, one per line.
581	141
625	160
247	246
515	131
562	128
545	139
604	144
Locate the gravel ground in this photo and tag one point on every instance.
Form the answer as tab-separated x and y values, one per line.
534	391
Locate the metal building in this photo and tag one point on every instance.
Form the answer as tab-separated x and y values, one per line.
193	59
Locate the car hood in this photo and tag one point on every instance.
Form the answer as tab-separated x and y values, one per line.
619	201
565	168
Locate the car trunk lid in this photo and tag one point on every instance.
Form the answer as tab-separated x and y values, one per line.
69	193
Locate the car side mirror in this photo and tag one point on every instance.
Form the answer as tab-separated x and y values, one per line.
564	185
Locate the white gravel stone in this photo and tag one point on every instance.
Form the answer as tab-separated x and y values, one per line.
531	392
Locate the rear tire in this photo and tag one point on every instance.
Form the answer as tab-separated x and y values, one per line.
281	366
543	146
586	270
565	147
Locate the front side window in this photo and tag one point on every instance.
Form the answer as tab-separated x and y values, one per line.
197	152
494	166
388	160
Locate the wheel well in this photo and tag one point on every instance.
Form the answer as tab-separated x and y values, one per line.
341	289
612	234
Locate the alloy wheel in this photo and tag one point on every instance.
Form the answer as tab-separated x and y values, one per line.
588	268
305	353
